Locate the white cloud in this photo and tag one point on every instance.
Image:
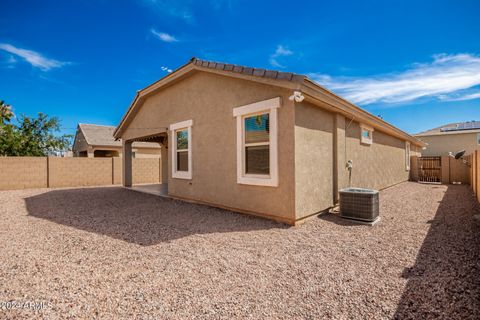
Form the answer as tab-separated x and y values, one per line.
166	69
163	36
36	59
281	51
445	78
275	63
461	96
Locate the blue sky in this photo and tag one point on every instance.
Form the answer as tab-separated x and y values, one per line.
415	63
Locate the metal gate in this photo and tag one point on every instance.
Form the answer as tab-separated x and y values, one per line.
430	169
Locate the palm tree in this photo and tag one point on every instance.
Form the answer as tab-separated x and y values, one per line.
6	113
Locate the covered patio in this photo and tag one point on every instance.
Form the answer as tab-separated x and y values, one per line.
155	189
160	189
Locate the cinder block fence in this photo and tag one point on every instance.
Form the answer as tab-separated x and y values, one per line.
54	172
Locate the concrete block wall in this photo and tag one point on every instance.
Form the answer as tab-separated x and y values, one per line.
117	170
78	172
146	170
53	172
23	172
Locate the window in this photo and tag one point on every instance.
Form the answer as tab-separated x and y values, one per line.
407	156
257	158
366	134
478	138
182	149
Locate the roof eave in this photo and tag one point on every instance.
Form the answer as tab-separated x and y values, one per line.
319	93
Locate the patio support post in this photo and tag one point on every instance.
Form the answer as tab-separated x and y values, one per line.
90	152
164	163
127	163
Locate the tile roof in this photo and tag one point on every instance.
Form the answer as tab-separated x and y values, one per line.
272	74
452	127
98	135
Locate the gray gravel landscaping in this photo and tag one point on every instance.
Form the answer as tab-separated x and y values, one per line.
113	253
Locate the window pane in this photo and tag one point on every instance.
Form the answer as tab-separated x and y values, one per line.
257	128
182	161
366	134
182	139
257	160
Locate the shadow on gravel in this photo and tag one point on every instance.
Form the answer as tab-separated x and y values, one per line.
337	219
444	283
137	217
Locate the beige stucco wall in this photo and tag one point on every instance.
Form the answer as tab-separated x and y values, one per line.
208	99
323	140
23	172
313	159
441	145
313	148
379	165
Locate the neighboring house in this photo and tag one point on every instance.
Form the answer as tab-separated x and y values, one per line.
452	137
93	140
268	143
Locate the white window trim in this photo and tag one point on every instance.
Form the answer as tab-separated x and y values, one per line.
363	139
267	106
173	129
407	155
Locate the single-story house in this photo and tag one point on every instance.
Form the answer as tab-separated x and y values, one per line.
267	143
452	137
92	140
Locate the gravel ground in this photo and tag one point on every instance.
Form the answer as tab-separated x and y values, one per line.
113	253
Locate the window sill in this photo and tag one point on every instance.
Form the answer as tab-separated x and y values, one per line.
182	175
256	181
366	142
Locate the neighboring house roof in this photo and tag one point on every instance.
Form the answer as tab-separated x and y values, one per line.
312	91
102	136
452	128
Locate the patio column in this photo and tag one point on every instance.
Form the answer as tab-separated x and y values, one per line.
164	163
90	152
127	163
